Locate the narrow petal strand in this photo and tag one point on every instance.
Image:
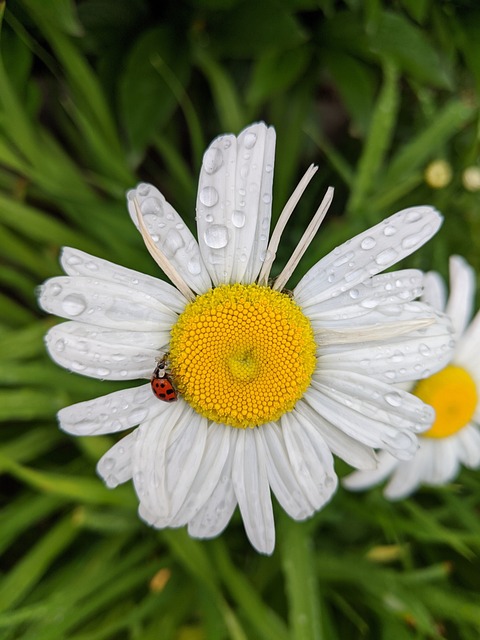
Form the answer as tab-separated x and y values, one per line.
250	483
105	304
115	466
469	446
215	514
79	263
103	354
367	254
435	291
170	235
111	413
359	480
234	203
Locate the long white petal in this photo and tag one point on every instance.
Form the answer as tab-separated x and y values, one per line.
111	413
105	304
234	204
383	290
310	458
115	466
215	514
170	235
408	476
435	291
469	446
250	483
282	480
214	456
367	254
359	480
79	263
345	447
462	294
101	353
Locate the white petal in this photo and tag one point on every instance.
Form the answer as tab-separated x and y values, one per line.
388	289
250	483
215	514
280	474
445	462
359	480
434	291
345	447
408	476
105	304
149	458
462	294
168	457
368	254
234	203
170	234
101	353
407	357
310	458
79	263
353	421
469	446
468	348
111	413
115	466
206	479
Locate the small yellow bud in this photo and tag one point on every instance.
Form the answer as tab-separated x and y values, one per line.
471	178
438	174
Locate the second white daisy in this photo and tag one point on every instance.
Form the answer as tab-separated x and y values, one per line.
454	393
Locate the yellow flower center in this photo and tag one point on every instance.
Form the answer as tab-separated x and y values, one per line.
242	355
453	394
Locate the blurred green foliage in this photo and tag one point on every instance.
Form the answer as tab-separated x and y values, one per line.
99	94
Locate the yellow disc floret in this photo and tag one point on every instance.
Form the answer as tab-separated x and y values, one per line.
242	355
453	394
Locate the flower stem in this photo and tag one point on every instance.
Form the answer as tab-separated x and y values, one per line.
299	567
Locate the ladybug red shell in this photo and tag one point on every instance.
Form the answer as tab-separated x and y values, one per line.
162	385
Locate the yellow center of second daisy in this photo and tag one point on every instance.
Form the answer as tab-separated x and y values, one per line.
242	355
453	394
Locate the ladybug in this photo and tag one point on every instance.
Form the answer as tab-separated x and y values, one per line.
161	382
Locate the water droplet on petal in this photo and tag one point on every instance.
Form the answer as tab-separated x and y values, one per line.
266	198
412	216
143	189
343	259
368	243
60	345
74	304
55	289
250	140
208	196
151	206
394	399
354	293
389	230
193	266
173	242
238	219
268	168
138	415
103	372
216	236
212	160
424	349
108	464
385	257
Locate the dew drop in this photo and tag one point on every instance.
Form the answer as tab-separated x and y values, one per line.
209	217
267	198
389	230
394	399
143	189
193	266
74	304
151	206
60	345
268	168
354	293
173	242
103	372
238	219
208	196
413	216
385	257
368	243
424	349
212	160
343	259
55	289
216	236
108	464
250	140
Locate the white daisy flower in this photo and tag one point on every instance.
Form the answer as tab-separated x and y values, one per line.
269	383
454	393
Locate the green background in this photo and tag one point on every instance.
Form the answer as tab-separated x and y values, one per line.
99	94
